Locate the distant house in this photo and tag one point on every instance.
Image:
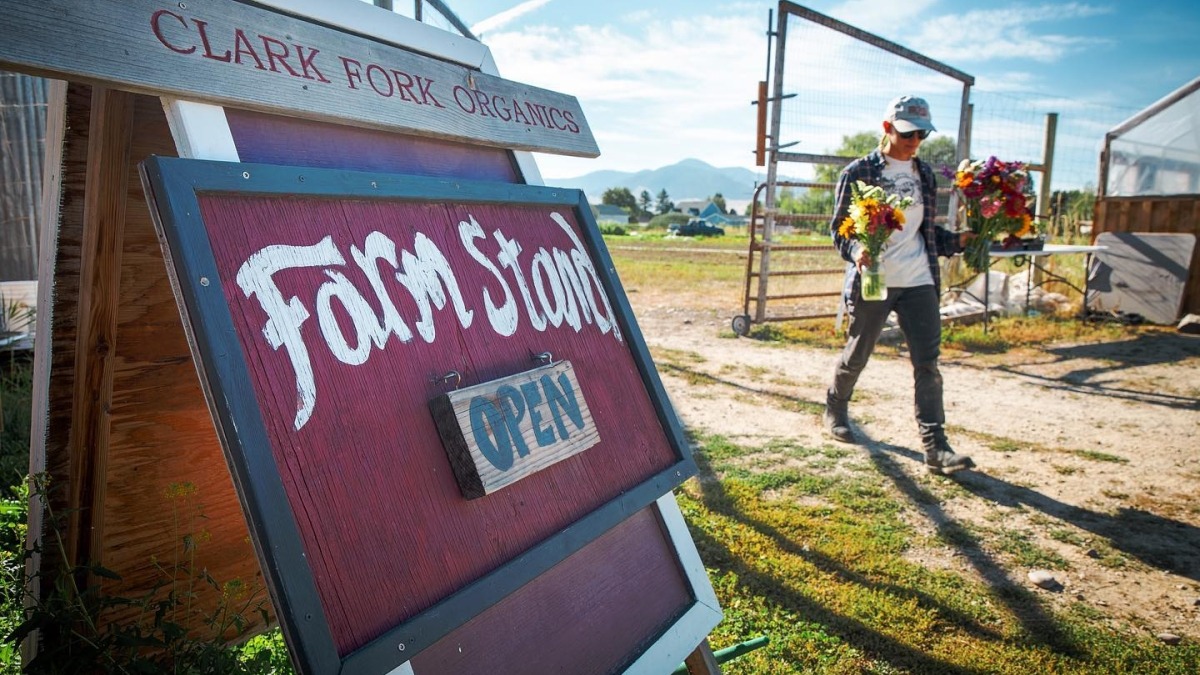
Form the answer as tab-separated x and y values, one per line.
709	212
607	213
692	207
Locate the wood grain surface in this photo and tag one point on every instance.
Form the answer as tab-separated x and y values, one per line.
498	432
231	53
152	472
1158	215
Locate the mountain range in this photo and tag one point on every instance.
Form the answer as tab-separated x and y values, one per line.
687	179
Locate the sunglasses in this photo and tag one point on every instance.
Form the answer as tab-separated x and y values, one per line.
922	134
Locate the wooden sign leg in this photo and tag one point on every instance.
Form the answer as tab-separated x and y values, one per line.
702	662
110	132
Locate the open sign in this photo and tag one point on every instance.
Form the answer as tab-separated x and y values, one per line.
499	432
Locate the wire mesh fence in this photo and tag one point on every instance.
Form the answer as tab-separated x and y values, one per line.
831	88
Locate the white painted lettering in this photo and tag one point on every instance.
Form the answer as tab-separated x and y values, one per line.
428	277
557	287
504	318
284	317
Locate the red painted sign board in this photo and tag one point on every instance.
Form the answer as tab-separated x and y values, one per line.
327	308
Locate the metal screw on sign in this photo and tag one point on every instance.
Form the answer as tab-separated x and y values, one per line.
544	357
452	375
182	6
400	646
203	281
246	174
373	184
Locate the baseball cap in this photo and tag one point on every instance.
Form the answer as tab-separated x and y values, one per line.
909	113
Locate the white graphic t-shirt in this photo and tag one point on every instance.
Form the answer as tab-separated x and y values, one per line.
904	263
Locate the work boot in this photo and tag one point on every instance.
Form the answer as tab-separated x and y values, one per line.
940	458
837	420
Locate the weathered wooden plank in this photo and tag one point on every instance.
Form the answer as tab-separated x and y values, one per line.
1156	214
100	276
243	55
702	661
499	432
157	426
43	357
166	477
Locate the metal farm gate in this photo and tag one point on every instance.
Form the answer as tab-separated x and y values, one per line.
830	82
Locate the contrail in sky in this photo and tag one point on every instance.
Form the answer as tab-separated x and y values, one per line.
497	21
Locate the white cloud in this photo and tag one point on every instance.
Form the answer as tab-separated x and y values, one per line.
882	17
502	19
659	89
1007	33
654	91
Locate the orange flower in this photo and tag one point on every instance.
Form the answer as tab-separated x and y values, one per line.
1026	226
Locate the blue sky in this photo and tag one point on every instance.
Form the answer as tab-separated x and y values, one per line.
666	80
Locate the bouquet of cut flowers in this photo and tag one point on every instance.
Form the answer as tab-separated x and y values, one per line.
994	203
874	215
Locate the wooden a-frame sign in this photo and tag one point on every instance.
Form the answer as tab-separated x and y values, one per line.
300	286
121	420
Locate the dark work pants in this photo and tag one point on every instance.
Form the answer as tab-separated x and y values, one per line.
917	310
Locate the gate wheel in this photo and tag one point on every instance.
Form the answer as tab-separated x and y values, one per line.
741	324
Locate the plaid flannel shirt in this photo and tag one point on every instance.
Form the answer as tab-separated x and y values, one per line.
869	169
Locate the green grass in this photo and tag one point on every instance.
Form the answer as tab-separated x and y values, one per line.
1009	445
16	386
827	575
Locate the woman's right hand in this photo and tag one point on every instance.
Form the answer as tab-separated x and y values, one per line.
864	260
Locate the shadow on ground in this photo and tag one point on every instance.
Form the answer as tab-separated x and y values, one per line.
1105	358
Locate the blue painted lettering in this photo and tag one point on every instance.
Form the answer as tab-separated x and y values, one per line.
485	416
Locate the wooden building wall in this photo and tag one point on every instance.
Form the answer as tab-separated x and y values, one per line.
1163	215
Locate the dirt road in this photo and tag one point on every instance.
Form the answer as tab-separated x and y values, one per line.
1090	452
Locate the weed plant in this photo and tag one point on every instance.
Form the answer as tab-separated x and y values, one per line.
166	634
161	630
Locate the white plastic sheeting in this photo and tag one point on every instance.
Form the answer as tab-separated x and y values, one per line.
22	136
1157	152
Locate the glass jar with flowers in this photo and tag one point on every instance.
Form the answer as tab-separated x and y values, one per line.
874	215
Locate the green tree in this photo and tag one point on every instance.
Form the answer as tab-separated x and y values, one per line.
664	220
719	200
940	154
664	203
1069	208
786	201
645	201
620	196
852	146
